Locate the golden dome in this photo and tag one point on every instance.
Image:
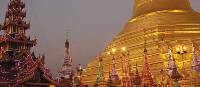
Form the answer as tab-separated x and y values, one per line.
147	6
173	21
161	12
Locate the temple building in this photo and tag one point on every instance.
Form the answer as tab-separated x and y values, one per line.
164	24
19	67
66	72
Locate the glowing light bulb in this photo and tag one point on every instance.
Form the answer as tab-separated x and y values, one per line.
108	53
113	50
123	48
178	49
184	48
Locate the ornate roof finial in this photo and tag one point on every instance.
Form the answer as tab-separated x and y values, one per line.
68	59
145	41
145	46
67	40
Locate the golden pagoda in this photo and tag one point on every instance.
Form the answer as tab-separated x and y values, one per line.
164	24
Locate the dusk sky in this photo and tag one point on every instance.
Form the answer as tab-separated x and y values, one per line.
91	25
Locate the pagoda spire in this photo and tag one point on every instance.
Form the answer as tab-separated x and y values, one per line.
66	72
68	59
100	79
14	39
114	74
126	80
171	61
147	77
172	70
196	64
114	77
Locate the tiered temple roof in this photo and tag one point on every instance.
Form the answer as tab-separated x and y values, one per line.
18	66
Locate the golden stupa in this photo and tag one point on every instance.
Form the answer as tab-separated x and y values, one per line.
164	24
